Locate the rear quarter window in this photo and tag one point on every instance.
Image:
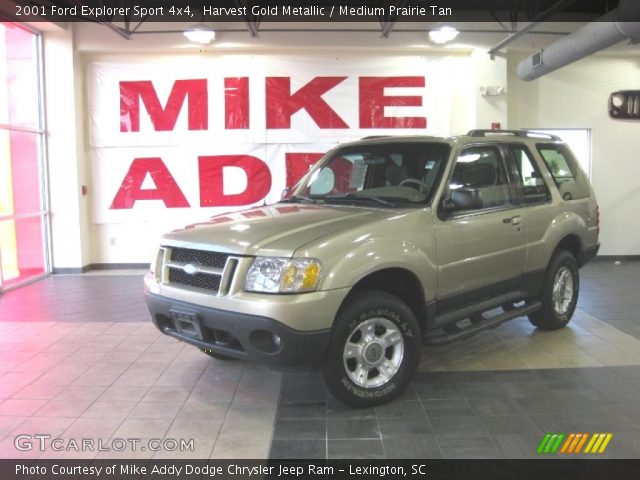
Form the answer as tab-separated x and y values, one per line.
571	181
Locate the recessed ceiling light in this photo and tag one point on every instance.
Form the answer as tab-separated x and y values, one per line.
443	34
200	33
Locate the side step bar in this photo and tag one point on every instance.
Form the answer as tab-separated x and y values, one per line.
491	322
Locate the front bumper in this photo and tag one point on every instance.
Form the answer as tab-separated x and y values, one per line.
238	335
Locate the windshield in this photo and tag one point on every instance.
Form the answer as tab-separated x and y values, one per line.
388	174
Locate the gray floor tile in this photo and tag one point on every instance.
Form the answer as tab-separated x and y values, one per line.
548	423
614	391
482	390
469	447
624	446
611	421
439	408
306	429
21	407
155	410
349	449
455	426
318	411
517	376
101	409
438	391
627	372
525	389
347	429
401	408
412	447
518	446
336	409
494	406
546	404
297	449
508	425
163	394
143	428
398	427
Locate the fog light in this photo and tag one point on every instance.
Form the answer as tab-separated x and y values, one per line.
277	341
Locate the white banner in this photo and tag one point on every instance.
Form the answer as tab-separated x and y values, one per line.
188	137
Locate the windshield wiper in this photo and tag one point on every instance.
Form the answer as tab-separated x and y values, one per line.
353	196
300	199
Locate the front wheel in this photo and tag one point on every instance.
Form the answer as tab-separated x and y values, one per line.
374	350
559	294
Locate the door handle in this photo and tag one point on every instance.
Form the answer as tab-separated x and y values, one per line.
517	220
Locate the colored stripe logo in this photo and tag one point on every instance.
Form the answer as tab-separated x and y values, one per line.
574	443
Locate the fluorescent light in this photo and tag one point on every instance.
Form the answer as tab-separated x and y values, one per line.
443	35
200	33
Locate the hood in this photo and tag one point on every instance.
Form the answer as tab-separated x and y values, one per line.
275	230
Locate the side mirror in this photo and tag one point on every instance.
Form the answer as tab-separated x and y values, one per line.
462	199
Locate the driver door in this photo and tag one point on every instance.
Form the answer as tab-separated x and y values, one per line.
481	251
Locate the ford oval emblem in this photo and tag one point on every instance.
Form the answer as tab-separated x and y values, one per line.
190	269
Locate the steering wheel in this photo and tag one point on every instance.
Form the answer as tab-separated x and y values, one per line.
423	187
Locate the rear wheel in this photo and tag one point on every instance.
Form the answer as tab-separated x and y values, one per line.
559	294
374	350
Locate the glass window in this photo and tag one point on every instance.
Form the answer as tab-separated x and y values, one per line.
578	140
21	250
481	168
377	174
569	177
534	189
23	216
19	77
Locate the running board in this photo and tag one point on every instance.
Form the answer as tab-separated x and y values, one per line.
491	322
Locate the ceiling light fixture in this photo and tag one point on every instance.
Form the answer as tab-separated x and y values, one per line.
200	33
443	34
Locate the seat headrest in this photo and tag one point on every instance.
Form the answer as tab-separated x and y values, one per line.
395	174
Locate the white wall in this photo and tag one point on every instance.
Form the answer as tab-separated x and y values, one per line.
489	73
65	151
576	96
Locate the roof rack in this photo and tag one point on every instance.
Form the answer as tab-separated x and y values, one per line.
517	133
371	137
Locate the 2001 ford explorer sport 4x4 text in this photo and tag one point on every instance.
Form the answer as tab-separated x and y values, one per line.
386	245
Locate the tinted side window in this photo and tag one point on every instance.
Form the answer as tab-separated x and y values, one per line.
534	189
481	168
570	179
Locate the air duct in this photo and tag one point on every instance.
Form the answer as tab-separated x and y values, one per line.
618	25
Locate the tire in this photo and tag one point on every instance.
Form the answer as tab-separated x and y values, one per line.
559	294
370	320
217	356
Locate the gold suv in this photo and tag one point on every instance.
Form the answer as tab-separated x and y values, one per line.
386	245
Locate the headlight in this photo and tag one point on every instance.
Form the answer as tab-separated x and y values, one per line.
155	268
283	275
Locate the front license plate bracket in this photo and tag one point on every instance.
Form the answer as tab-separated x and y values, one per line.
187	324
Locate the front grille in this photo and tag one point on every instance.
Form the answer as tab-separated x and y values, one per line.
203	257
199	280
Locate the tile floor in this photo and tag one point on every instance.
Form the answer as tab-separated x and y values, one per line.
79	358
471	414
